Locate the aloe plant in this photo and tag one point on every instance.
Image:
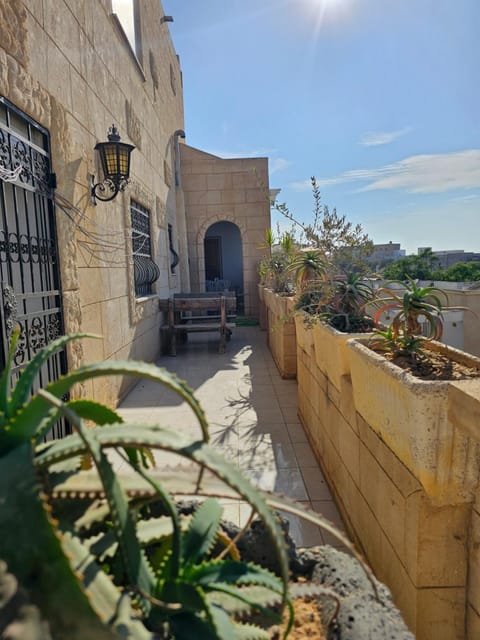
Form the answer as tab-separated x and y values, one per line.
339	301
406	335
88	546
309	267
274	268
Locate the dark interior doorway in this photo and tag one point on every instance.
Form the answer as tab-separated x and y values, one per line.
213	258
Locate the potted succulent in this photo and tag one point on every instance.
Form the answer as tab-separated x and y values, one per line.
332	246
339	306
101	555
408	387
277	290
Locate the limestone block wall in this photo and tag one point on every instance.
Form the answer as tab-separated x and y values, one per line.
71	68
233	190
281	336
427	553
473	592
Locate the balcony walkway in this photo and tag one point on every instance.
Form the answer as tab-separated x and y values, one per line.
253	421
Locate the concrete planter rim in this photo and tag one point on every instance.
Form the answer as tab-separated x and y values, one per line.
361	346
425	423
341	334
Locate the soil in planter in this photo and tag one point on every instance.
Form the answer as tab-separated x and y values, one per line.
354	325
307	623
435	366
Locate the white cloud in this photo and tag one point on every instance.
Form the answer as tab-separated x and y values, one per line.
434	173
278	164
442	227
376	138
431	173
304	185
469	198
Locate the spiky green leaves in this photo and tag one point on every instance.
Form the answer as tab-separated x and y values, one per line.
417	310
201	534
206	592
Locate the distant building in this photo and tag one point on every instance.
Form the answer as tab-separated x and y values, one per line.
382	254
449	258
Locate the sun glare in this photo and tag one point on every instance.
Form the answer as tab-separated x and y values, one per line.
325	12
329	6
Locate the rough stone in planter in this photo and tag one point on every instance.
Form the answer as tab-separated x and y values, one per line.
256	544
361	616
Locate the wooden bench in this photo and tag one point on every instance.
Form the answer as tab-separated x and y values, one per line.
195	312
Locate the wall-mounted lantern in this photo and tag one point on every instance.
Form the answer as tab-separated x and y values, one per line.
115	161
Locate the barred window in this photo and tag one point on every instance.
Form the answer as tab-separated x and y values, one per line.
145	269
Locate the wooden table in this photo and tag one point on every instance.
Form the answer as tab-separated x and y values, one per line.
196	312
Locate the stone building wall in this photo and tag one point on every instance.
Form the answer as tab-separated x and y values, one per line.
233	190
70	67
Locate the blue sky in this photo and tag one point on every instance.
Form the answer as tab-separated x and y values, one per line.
379	99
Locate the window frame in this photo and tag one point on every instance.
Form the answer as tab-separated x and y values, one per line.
145	270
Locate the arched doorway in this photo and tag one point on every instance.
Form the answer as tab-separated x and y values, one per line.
224	258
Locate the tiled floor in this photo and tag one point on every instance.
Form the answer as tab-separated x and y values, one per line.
253	421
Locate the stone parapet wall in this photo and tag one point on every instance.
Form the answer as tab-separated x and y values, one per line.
281	335
425	550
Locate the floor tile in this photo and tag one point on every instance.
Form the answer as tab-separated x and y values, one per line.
329	509
296	432
264	453
252	413
316	484
290	414
302	532
305	456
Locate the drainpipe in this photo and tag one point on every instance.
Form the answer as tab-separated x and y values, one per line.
179	133
180	215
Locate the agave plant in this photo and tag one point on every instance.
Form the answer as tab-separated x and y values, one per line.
346	307
274	268
340	302
417	318
88	546
309	267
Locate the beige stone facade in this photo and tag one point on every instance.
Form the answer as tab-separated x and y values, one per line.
71	68
232	190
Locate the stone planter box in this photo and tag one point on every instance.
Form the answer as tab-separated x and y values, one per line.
331	352
281	332
304	331
262	310
412	417
408	493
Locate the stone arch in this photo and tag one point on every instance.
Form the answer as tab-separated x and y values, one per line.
227	217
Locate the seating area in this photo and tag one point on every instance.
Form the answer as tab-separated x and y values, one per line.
198	313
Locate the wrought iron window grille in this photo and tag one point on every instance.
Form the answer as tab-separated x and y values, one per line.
145	270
